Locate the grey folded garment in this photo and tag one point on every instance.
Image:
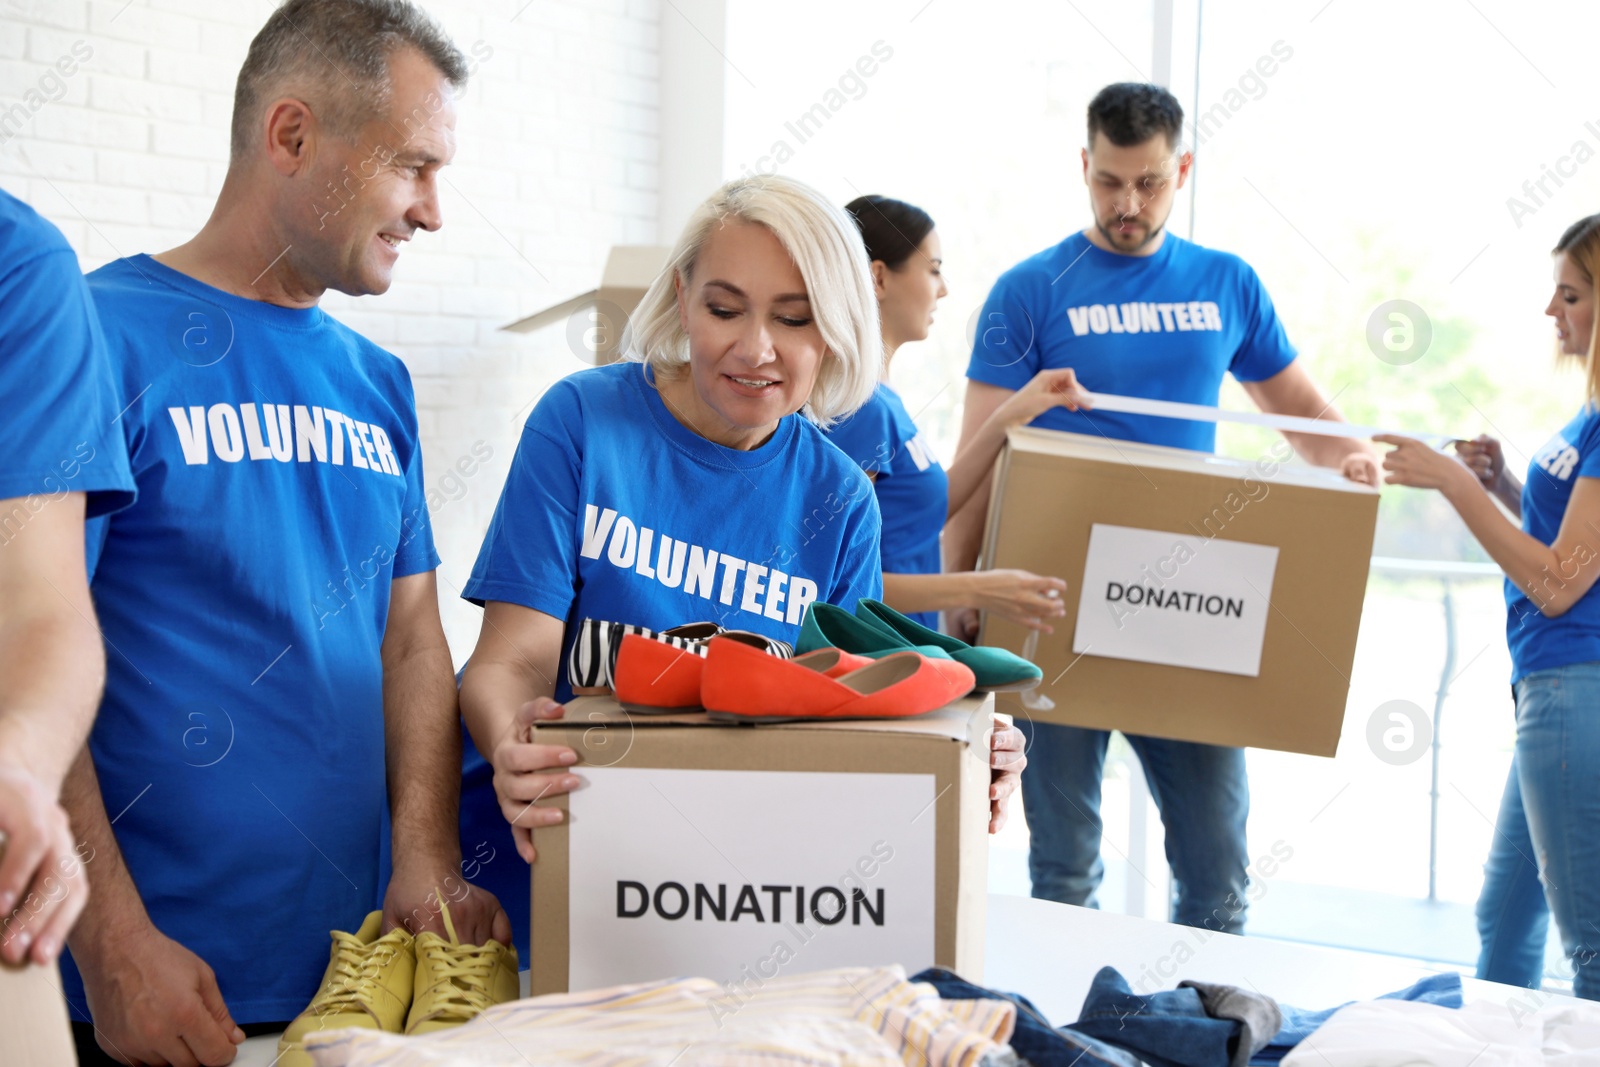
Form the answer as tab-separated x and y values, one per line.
1256	1013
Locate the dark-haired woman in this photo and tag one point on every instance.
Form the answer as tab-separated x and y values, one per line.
915	494
1545	858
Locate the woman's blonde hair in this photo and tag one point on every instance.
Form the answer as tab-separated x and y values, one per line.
824	244
1581	245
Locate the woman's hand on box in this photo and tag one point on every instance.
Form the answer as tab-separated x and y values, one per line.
1045	390
1007	758
525	773
1360	467
964	623
1022	597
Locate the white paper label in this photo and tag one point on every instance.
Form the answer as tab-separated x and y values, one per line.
732	874
1162	597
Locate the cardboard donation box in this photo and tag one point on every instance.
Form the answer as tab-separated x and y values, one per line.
737	852
1208	599
628	273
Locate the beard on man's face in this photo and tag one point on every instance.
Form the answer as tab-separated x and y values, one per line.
1142	232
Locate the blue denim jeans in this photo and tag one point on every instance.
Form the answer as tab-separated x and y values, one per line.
1172	1028
1552	820
1204	799
1034	1038
1513	918
1118	1029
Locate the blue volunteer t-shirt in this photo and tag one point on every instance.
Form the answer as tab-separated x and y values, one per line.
614	510
60	433
1539	643
240	745
1166	327
912	489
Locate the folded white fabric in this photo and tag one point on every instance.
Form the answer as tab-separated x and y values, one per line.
858	1017
1399	1033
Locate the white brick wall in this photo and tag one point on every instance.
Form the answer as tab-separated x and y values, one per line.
559	159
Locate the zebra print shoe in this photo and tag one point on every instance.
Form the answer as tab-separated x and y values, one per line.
592	661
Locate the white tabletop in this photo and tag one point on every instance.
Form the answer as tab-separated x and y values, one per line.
1050	952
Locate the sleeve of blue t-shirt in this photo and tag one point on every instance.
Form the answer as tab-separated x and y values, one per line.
60	432
416	553
1589	451
1265	349
860	572
1005	350
528	556
867	436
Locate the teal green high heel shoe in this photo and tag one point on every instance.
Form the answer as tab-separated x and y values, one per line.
996	670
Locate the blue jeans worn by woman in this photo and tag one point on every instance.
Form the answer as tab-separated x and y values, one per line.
1550	817
1204	799
1513	918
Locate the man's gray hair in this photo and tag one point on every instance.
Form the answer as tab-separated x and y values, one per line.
334	54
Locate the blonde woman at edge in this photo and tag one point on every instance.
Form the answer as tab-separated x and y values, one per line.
762	331
1544	860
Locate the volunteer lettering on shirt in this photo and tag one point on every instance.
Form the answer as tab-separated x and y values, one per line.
292	433
1557	458
1168	326
1138	317
920	452
692	568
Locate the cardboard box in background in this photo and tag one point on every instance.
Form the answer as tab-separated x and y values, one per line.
1209	599
629	271
691	843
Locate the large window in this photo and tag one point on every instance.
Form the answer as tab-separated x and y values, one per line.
1430	154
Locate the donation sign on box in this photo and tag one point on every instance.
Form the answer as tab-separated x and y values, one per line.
1218	600
738	853
1161	597
708	872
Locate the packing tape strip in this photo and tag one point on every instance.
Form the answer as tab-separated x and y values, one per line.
1171	409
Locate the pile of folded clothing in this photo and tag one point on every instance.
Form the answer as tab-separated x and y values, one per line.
1198	1024
876	1017
874	664
863	1017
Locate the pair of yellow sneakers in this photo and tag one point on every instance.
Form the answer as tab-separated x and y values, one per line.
402	984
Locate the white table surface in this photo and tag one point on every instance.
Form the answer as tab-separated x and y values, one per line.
1050	952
